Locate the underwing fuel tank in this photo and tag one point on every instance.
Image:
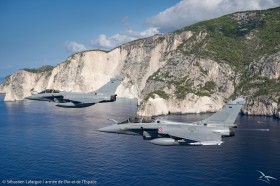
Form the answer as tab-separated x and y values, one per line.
72	105
206	143
171	141
164	141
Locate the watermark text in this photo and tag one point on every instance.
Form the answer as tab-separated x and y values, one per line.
48	182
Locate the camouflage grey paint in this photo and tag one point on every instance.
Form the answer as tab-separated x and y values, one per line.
78	100
163	132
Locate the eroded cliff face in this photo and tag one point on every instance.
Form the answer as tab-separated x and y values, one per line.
190	85
19	85
267	66
191	104
265	106
87	71
195	69
264	91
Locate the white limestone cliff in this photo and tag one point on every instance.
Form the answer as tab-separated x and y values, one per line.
192	104
151	68
89	70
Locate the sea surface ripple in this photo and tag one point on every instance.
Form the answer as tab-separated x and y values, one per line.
39	141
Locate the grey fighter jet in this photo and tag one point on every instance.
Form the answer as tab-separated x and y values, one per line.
163	132
78	100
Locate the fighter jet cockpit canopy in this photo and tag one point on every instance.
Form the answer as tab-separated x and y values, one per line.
138	120
49	91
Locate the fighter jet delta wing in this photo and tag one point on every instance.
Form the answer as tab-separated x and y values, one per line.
78	100
161	132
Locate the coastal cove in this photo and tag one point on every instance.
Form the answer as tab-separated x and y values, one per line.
42	142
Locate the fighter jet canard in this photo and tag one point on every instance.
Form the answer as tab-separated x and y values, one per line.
163	132
78	100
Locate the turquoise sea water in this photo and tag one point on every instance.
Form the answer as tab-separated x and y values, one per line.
41	142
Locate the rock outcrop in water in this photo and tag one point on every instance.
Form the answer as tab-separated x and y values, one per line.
195	69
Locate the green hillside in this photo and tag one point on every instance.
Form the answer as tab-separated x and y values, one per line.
238	40
245	43
228	41
41	69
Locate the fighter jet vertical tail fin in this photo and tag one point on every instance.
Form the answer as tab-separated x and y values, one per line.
111	86
227	115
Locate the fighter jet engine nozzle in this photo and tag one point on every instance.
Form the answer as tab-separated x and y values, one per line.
164	141
225	132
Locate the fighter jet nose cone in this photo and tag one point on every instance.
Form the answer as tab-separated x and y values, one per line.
107	129
102	129
29	97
